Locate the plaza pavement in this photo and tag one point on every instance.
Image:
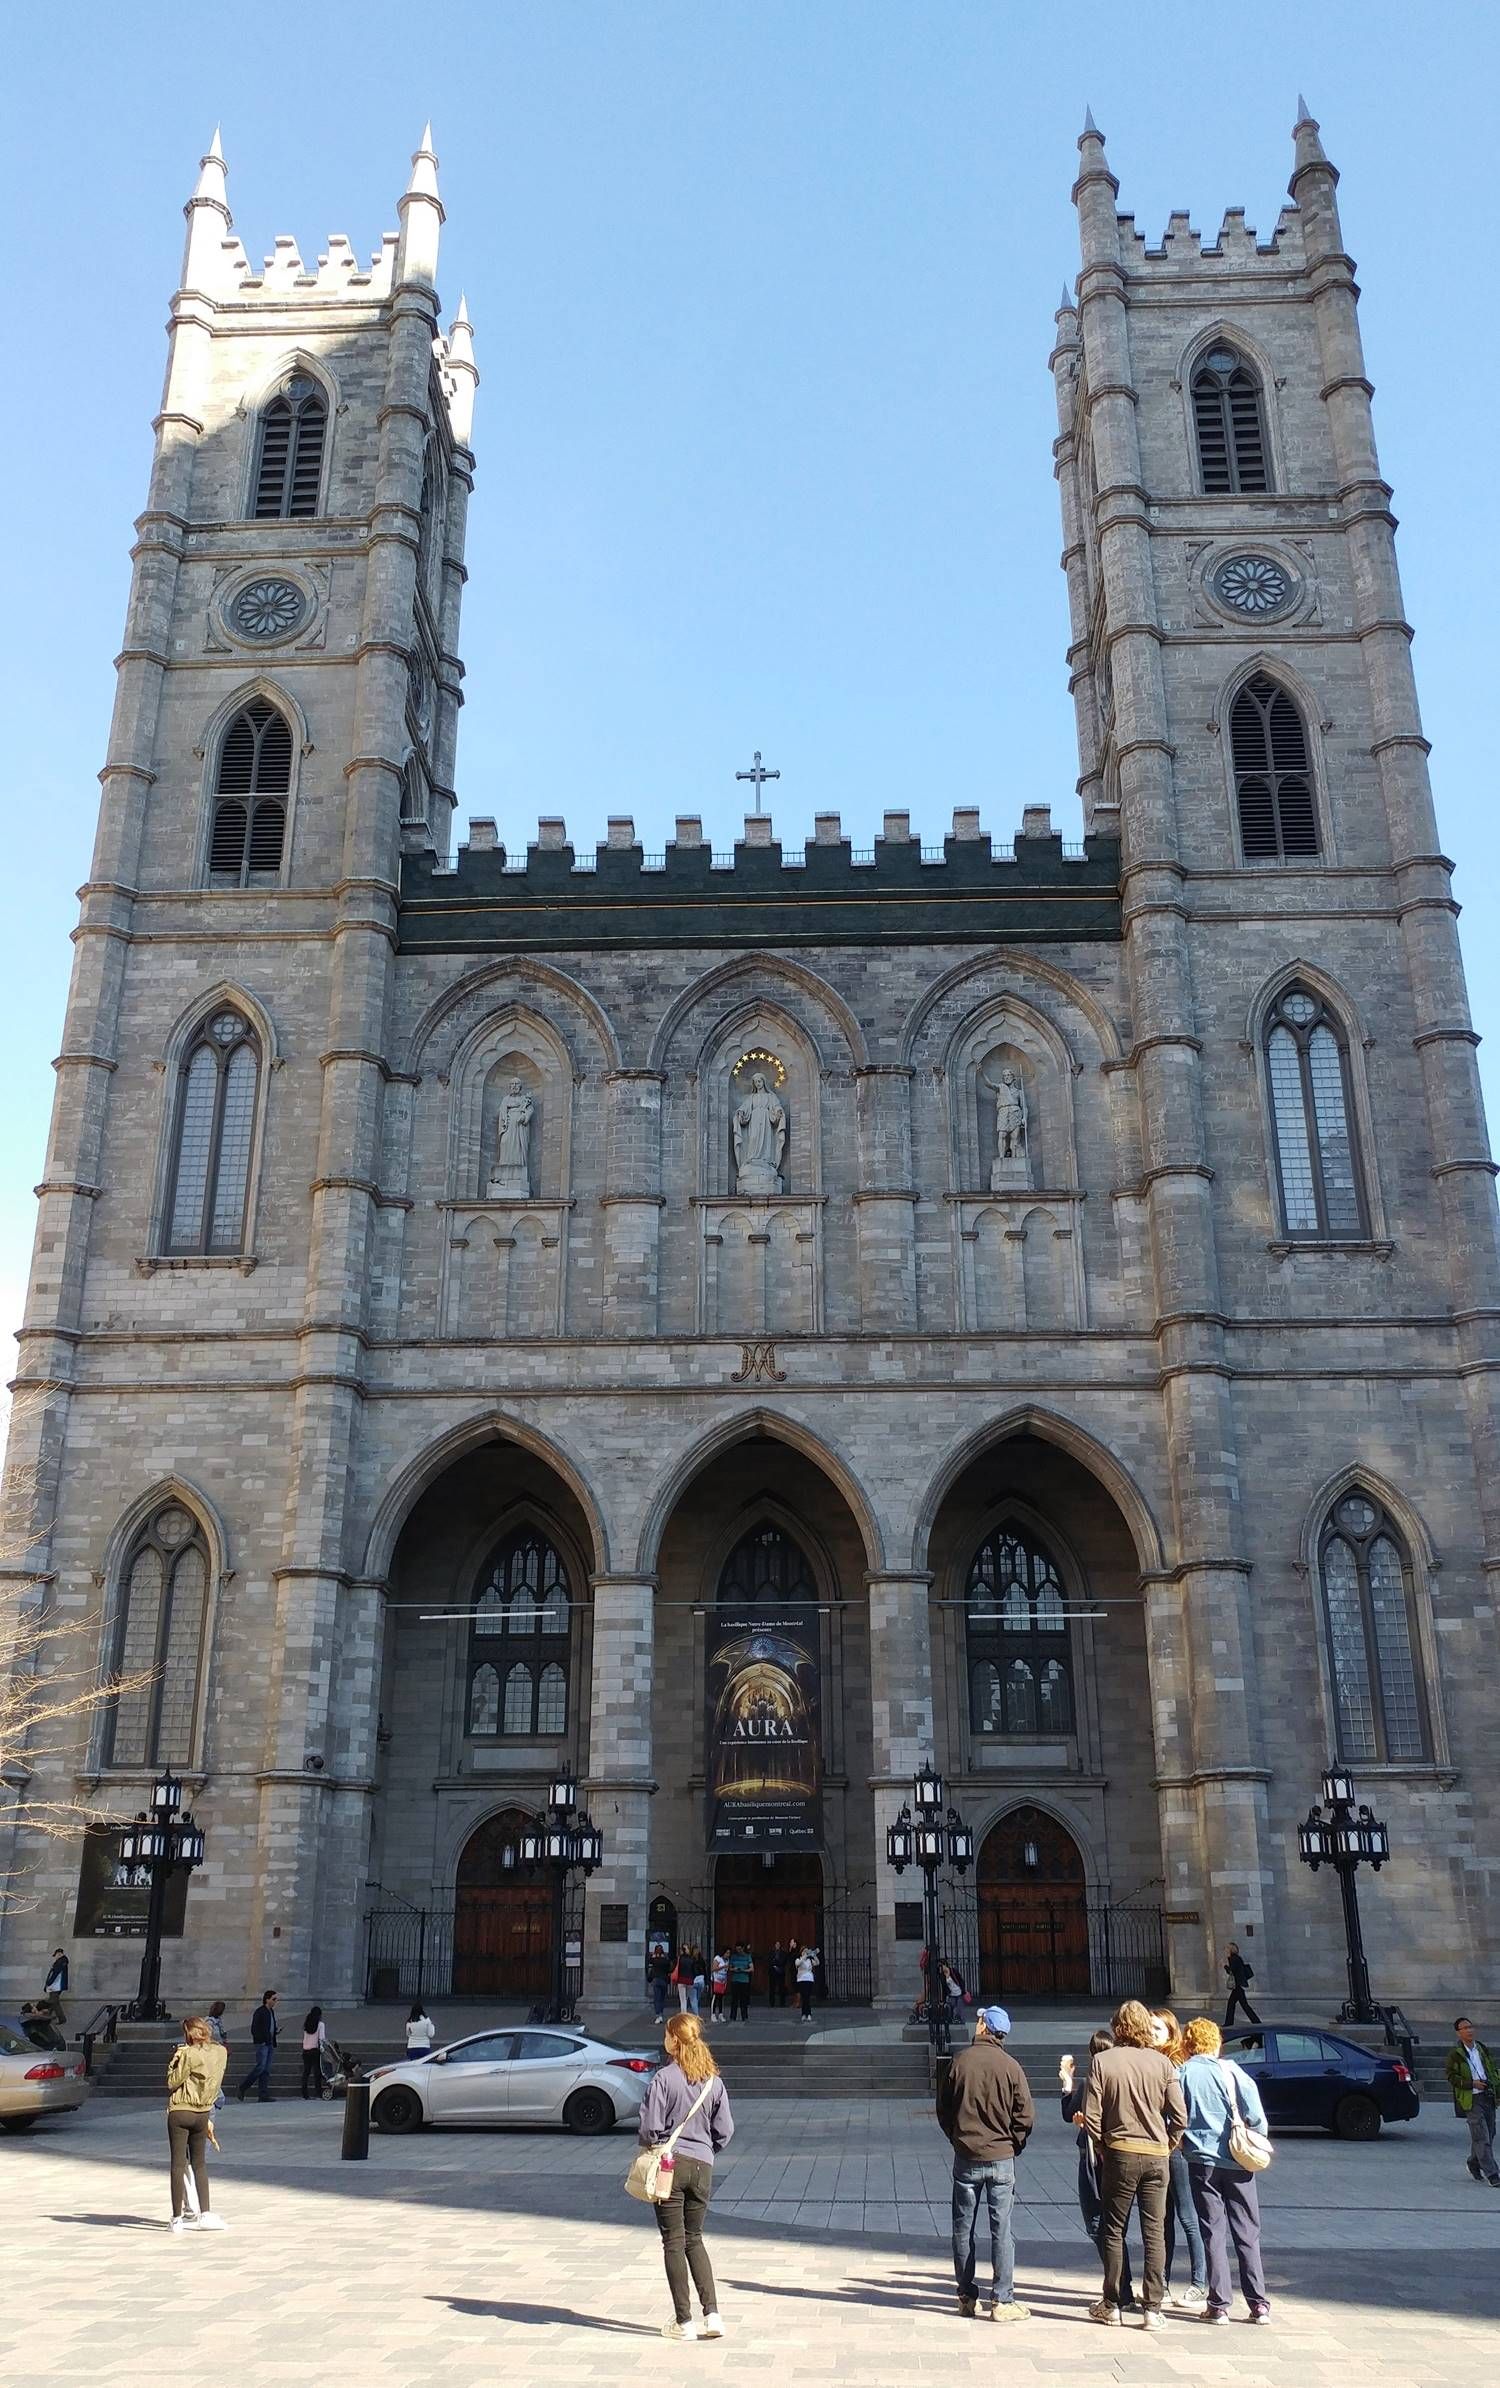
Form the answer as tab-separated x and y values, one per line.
477	2256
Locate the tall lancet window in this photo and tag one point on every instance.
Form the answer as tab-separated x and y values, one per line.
519	1641
1312	1114
1229	418
289	457
250	795
159	1642
1019	1648
1380	1703
213	1138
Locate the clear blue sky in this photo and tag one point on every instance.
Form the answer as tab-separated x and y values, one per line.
763	293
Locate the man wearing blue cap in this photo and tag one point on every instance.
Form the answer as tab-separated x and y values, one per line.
984	2106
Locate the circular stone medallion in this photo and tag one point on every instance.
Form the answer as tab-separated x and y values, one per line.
267	608
1255	586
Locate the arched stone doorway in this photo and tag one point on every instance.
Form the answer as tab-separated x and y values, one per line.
1033	1908
502	1923
762	1901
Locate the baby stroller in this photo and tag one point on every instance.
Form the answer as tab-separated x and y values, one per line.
338	2068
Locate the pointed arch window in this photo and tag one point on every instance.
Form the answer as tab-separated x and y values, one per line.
159	1637
519	1642
289	456
1369	1615
251	787
213	1138
1019	1653
1229	417
766	1566
1273	781
1318	1175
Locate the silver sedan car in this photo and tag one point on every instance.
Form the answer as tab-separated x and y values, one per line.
36	2081
532	2075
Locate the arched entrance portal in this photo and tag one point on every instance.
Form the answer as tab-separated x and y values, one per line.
763	1902
502	1923
1033	1908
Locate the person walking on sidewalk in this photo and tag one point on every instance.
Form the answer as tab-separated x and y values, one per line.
1135	2115
1240	1975
741	1975
264	2033
661	1980
1474	2078
54	1986
219	2036
195	2076
668	2106
985	2110
1226	2196
314	2036
1074	2095
806	1966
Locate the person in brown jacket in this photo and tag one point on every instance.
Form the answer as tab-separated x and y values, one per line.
984	2107
1135	2115
195	2076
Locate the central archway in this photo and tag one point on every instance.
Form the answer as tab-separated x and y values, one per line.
1033	1908
502	1923
761	1901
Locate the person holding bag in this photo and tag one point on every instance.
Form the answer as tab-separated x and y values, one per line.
195	2076
685	2123
1226	2146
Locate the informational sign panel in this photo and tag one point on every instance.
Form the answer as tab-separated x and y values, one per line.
111	1906
762	1736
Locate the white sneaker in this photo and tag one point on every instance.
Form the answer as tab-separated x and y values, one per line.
680	2330
712	2326
1189	2300
212	2222
181	2222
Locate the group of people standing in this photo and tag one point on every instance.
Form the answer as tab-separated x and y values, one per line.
729	1974
1159	2115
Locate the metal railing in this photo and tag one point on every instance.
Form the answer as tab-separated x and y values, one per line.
1055	1948
103	2024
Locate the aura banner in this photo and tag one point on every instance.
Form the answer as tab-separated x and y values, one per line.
761	1730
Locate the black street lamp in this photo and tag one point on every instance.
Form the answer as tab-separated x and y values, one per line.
1349	1836
149	1849
567	1842
930	1840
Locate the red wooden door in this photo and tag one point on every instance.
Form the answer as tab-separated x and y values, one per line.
1033	1908
502	1927
763	1904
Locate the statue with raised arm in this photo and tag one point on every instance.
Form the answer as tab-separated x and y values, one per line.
511	1173
759	1139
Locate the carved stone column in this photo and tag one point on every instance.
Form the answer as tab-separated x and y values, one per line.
618	1787
901	1738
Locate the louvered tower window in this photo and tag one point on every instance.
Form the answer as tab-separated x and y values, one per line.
1312	1113
213	1133
255	777
159	1637
289	459
1369	1615
1232	450
1272	775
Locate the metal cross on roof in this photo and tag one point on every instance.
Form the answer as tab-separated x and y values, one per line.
759	774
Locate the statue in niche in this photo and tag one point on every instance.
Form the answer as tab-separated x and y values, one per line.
759	1139
1011	1165
511	1174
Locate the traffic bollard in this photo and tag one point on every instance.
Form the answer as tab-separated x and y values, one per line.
356	2120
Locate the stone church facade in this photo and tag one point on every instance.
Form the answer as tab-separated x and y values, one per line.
1062	1283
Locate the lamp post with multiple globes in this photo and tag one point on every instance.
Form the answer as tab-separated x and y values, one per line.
930	1839
150	1847
1348	1836
567	1842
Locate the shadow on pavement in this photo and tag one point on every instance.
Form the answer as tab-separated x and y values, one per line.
110	2221
490	2309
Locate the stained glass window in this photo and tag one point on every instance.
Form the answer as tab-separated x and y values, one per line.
1380	1707
213	1137
1019	1654
1312	1113
159	1641
523	1596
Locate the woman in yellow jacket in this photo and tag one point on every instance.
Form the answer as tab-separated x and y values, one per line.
195	2076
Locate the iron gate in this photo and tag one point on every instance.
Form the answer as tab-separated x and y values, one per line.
1056	1949
410	1953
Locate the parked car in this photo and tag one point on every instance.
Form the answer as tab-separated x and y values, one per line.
1311	2076
532	2076
36	2081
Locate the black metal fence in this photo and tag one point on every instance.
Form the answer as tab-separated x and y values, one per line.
409	1952
1055	1949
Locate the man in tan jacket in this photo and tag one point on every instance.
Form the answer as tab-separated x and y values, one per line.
1135	2115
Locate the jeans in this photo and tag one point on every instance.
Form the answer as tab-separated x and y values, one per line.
1239	1997
996	2183
1228	2206
680	2220
1481	2122
187	2136
1139	2181
739	2002
259	2075
659	1998
1181	2209
312	2073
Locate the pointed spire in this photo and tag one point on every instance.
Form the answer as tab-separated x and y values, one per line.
1089	125
208	222
1067	305
421	213
212	186
423	183
1309	150
462	371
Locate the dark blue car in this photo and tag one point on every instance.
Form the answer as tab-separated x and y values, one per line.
1312	2076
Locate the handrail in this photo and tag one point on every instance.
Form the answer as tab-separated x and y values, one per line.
103	2024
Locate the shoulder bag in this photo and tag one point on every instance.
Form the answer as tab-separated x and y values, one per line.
646	2180
1251	2149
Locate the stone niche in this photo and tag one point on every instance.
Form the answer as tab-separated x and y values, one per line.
1015	1193
505	1271
760	1214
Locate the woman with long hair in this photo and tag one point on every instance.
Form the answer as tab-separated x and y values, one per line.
195	2076
421	2031
1182	2214
314	2034
1227	2200
687	2096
